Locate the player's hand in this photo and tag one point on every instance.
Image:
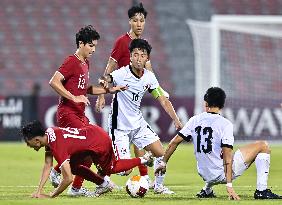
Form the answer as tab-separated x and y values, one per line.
100	103
81	99
232	194
103	83
178	125
115	89
39	195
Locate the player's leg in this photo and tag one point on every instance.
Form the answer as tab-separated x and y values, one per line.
258	152
143	170
79	169
146	138
120	146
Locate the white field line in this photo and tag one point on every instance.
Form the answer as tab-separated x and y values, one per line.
172	186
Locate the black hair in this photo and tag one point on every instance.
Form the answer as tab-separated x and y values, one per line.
32	129
137	9
215	97
86	34
142	44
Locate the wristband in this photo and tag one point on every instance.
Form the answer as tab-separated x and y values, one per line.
229	184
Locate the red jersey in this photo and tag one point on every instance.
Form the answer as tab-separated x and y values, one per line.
120	53
76	79
65	142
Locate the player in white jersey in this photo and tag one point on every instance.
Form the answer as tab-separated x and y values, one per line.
212	136
126	122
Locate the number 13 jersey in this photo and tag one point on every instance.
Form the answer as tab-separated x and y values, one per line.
209	132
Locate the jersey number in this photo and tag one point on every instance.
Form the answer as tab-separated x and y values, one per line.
207	131
74	133
135	96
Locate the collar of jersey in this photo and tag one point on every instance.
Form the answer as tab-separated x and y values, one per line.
213	113
130	68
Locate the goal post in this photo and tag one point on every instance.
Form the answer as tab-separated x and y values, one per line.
243	55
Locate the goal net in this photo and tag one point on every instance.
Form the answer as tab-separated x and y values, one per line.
243	55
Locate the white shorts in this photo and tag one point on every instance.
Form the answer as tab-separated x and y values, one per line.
238	168
141	137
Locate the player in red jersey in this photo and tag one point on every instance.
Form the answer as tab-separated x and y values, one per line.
71	147
71	82
120	57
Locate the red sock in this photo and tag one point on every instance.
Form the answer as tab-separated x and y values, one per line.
125	164
57	168
78	180
143	170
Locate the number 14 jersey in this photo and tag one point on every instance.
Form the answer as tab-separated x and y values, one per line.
209	132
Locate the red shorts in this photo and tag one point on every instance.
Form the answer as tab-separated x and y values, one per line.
72	120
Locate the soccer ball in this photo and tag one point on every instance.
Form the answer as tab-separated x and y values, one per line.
137	186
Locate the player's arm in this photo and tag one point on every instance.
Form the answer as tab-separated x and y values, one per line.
167	106
66	181
44	175
97	90
172	146
57	85
227	162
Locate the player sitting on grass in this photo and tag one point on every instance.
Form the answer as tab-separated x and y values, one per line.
70	147
212	136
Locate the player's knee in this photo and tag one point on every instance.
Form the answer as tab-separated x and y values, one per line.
264	146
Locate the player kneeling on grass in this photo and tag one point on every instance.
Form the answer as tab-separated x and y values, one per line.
212	136
71	147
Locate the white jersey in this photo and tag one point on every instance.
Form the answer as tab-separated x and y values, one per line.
126	113
209	132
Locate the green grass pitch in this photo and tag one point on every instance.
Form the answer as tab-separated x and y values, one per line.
20	168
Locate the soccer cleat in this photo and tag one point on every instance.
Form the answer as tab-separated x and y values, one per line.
54	177
78	192
203	194
161	189
102	190
149	157
266	194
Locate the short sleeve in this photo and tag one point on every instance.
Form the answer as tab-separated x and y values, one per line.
118	50
153	81
227	136
118	76
186	132
66	68
59	152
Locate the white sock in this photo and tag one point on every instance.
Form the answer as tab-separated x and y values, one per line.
159	178
143	161
207	188
107	178
105	183
262	163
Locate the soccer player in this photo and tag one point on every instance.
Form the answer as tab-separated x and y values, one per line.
120	57
212	136
71	82
126	122
71	147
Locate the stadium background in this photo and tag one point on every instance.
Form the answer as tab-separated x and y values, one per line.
36	35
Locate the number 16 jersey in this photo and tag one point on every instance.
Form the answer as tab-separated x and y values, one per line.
126	113
209	132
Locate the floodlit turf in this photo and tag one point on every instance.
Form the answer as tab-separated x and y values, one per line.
20	168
